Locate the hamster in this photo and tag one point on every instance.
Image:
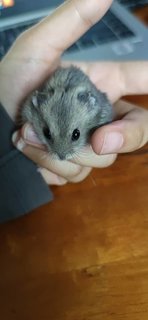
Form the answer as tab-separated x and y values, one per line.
65	111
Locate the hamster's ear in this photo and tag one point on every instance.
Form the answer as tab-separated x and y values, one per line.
38	98
87	97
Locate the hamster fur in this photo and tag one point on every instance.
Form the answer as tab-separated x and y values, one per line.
65	111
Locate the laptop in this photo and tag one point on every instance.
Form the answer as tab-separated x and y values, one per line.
118	36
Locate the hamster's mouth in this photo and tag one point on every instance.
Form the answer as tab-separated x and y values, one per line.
61	156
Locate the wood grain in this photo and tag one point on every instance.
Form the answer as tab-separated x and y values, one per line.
84	256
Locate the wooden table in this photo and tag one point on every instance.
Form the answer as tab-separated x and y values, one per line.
84	256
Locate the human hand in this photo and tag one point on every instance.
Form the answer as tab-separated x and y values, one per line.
34	56
130	131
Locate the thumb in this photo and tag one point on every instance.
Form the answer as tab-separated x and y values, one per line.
125	135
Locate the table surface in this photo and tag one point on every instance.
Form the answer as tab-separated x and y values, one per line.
84	256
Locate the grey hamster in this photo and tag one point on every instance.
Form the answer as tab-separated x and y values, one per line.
66	111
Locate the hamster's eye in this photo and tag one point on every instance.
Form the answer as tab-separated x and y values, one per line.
75	135
47	133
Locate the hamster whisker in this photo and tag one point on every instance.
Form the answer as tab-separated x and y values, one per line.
81	153
77	156
52	157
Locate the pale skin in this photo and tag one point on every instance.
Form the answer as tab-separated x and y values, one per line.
32	59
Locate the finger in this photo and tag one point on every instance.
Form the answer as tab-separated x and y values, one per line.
88	158
28	134
51	178
43	159
68	23
125	135
81	176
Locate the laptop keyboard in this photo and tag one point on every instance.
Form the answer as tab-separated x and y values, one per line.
109	29
133	4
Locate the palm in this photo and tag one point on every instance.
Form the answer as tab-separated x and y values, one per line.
106	76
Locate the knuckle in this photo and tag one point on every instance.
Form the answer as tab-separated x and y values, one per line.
74	172
83	175
86	21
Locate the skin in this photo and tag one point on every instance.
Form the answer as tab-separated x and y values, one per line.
35	55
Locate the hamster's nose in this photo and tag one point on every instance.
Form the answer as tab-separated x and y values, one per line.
61	156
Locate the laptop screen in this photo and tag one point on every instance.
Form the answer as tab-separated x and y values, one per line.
12	8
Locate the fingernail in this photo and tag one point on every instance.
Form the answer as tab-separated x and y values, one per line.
18	142
15	137
30	135
113	141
